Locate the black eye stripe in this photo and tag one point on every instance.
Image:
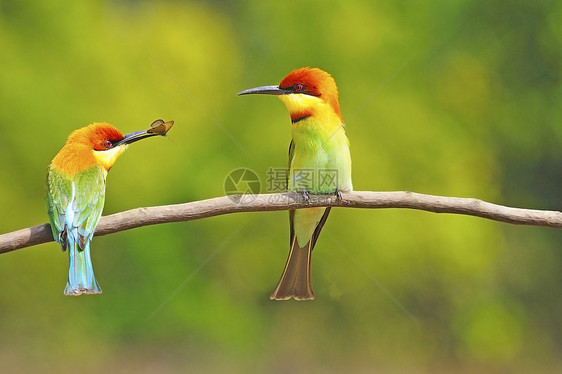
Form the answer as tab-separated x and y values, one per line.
301	89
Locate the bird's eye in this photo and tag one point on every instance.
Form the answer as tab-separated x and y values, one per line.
298	87
107	144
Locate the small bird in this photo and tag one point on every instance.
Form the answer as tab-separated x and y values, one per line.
319	163
76	193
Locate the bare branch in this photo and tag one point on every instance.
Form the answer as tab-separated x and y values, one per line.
283	201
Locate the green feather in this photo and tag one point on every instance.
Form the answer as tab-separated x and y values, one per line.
89	187
59	190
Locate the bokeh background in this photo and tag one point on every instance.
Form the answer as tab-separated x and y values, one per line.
450	98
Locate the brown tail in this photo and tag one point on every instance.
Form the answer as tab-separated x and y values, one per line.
295	280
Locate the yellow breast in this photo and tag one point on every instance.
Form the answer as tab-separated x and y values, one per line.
106	159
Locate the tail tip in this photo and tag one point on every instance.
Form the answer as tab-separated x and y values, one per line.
77	291
298	297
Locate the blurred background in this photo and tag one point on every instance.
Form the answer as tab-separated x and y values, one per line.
448	98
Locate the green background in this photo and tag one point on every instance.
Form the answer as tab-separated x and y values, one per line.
456	98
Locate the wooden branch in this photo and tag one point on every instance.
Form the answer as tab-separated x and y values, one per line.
283	201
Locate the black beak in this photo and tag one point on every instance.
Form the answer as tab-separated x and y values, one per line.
133	137
266	90
158	127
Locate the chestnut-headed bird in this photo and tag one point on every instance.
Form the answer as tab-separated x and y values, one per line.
76	194
319	163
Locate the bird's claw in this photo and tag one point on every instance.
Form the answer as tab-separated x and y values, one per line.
305	196
339	196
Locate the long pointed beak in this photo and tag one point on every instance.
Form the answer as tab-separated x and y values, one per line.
265	90
158	127
133	137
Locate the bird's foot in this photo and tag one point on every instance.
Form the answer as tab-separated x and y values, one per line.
339	196
305	196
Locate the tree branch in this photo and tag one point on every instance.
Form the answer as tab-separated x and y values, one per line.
283	201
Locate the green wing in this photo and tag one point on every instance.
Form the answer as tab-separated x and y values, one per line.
88	204
86	193
59	192
291	154
291	212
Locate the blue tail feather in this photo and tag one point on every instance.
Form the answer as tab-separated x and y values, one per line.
81	279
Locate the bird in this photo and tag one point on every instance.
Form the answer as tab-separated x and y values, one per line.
76	179
319	163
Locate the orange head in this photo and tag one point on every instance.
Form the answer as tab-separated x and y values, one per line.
97	136
304	91
96	144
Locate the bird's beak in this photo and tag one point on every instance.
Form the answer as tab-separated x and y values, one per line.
158	127
265	90
133	137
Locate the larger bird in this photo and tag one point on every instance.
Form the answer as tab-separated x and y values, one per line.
319	162
76	194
